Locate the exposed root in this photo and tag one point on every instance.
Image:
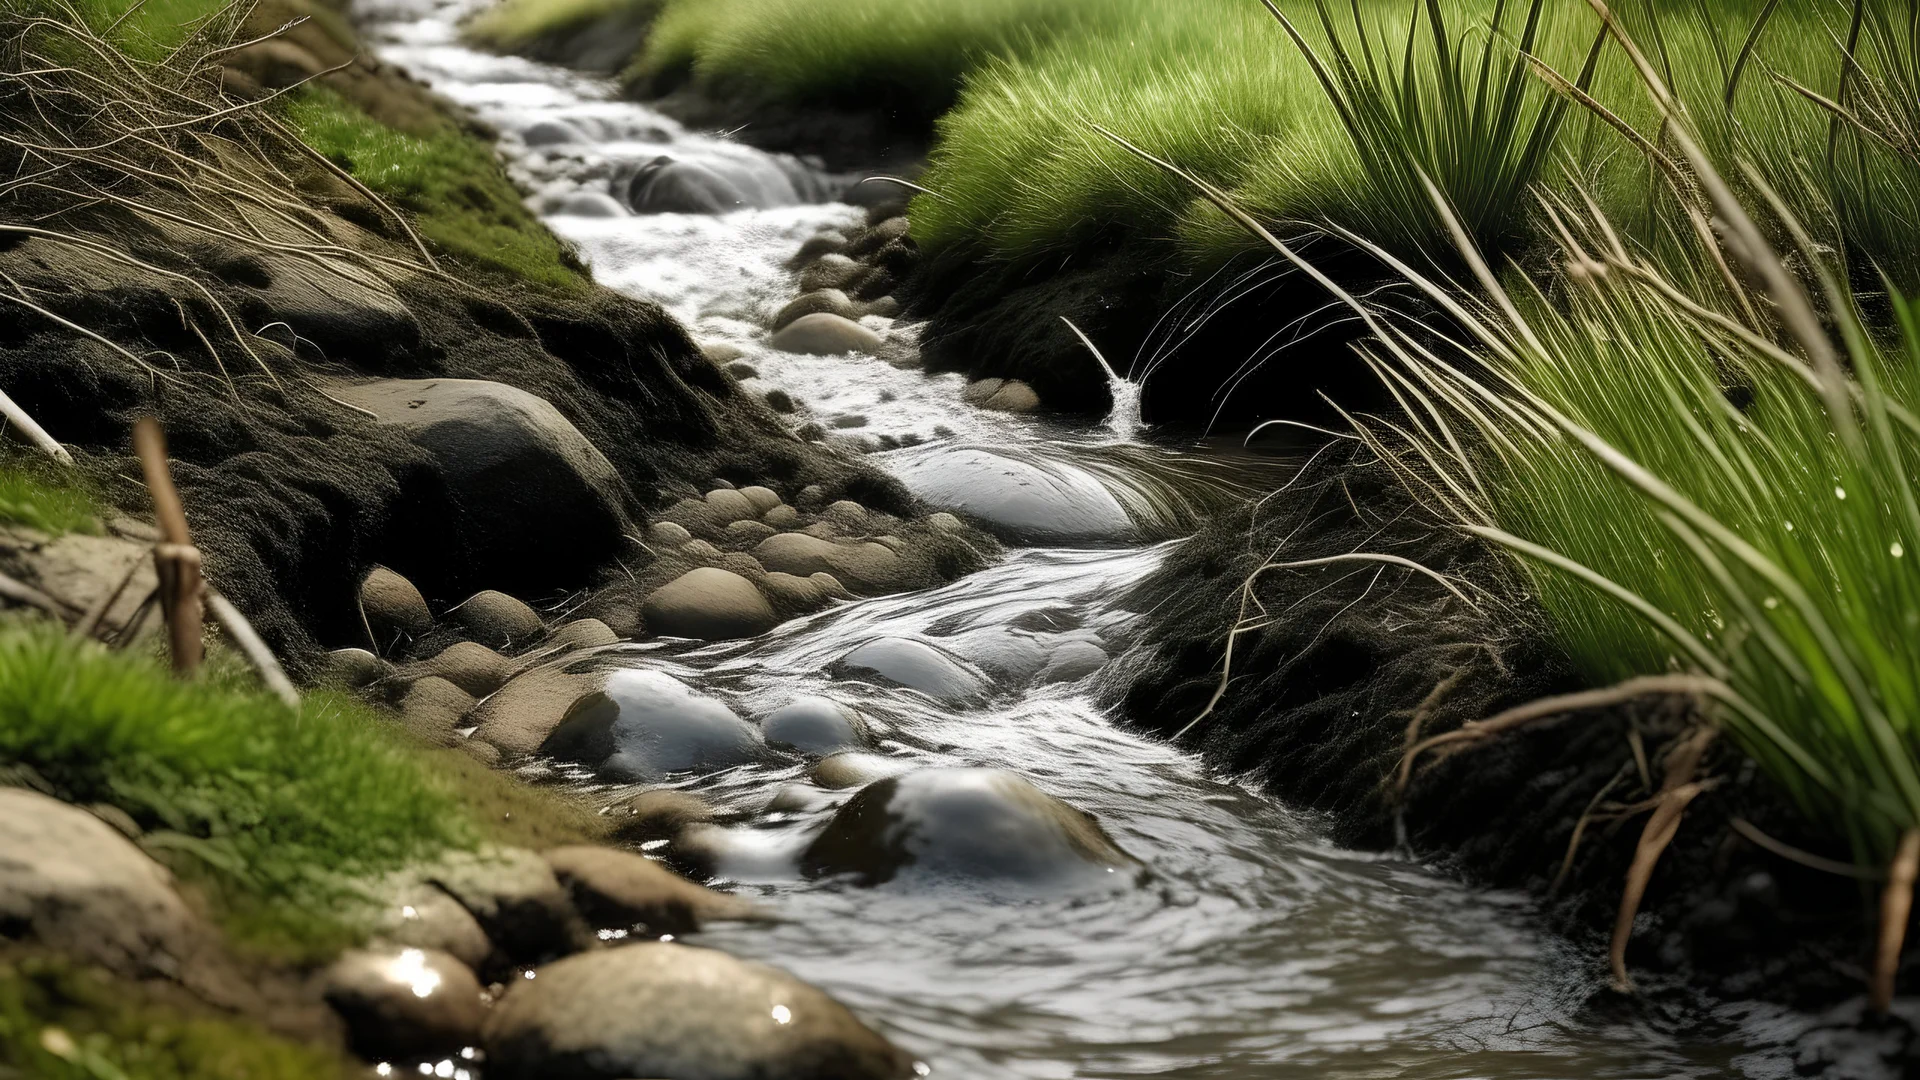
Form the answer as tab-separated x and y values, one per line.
1543	708
28	427
1587	817
1677	791
1896	905
1752	833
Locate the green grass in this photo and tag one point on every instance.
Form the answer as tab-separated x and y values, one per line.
58	1022
449	181
47	497
270	811
517	24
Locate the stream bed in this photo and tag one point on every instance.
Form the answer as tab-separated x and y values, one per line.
1252	947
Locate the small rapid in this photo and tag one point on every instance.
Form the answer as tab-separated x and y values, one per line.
1253	947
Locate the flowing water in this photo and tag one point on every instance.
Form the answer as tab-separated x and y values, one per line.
1256	948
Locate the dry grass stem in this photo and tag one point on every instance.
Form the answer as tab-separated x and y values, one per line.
1896	906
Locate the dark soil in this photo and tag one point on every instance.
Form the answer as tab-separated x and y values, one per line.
1323	693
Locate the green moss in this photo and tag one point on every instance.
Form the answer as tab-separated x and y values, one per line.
269	812
450	181
59	1022
46	497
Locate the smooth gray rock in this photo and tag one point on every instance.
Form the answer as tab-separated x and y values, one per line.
824	334
550	133
976	826
425	917
526	501
405	1002
621	890
709	604
1020	501
816	725
865	566
498	621
591	204
71	882
915	665
513	895
646	726
669	1010
1010	657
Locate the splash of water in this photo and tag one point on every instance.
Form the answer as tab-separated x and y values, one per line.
1124	419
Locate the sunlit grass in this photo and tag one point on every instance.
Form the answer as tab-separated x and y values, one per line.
44	496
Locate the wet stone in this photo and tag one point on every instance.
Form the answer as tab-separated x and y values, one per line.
1073	661
780	401
646	726
669	1010
710	604
660	814
822	334
976	826
853	769
405	1002
621	890
820	301
1021	501
915	665
816	725
514	897
424	917
742	370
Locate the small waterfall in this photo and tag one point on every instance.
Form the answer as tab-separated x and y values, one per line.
1124	419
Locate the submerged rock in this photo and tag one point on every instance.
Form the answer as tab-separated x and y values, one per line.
645	726
816	725
825	334
405	1002
669	1010
971	825
851	770
1073	661
915	665
710	604
1020	501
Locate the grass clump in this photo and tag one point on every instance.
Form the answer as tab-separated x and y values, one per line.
272	812
449	181
46	497
59	1022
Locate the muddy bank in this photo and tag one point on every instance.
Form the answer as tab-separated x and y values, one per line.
1342	664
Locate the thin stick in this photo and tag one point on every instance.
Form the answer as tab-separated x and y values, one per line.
1896	904
1677	790
175	560
34	433
255	650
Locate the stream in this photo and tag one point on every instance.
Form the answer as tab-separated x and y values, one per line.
1254	947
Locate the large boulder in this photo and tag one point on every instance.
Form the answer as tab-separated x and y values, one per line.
668	1010
526	502
915	665
975	826
646	726
71	882
710	604
1019	501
